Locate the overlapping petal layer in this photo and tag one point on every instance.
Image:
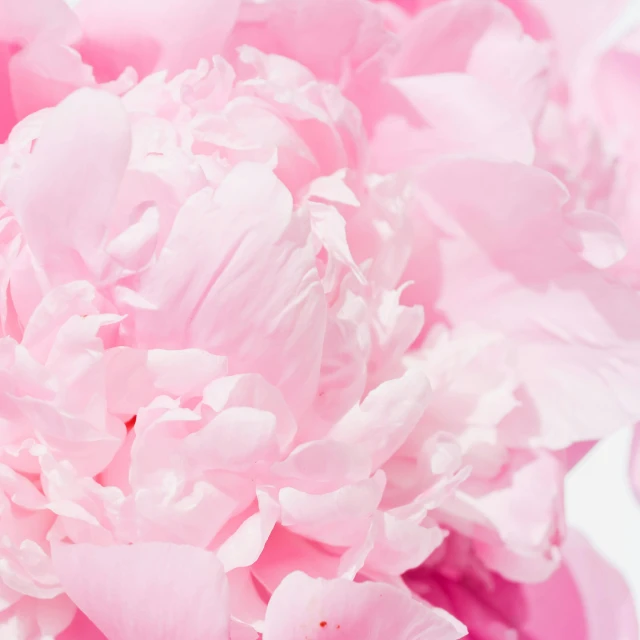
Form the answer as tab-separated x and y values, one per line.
298	298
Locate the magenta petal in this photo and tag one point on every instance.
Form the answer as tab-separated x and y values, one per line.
82	629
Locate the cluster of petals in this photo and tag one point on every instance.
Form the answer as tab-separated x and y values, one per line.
307	307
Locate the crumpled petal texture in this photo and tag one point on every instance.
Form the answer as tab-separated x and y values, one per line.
307	307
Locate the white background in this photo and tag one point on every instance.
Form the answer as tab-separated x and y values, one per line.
600	504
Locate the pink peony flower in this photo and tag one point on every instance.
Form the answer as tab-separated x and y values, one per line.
585	598
306	310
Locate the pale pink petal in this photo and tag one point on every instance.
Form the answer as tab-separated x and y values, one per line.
75	170
297	28
442	38
596	238
154	590
319	609
286	552
338	518
401	544
323	465
176	496
252	391
55	309
28	20
245	545
63	407
44	73
428	115
243	257
165	35
526	273
343	367
241	631
25	27
36	618
135	377
528	526
576	28
616	93
385	417
482	38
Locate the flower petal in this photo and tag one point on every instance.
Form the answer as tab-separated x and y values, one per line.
155	591
317	609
